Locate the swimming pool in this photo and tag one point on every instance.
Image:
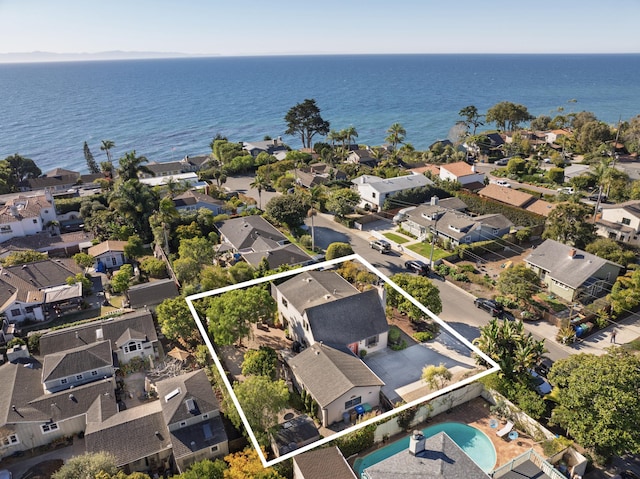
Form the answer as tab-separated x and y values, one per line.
471	440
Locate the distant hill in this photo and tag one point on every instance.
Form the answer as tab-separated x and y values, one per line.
36	57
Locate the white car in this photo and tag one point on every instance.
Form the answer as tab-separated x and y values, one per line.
567	190
504	183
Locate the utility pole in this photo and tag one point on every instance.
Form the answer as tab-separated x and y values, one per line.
613	164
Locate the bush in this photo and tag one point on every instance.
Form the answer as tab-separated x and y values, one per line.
305	241
338	250
423	336
399	347
33	343
15	342
394	335
357	441
442	269
154	267
466	268
462	277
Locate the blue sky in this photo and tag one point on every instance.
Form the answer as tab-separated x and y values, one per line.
253	27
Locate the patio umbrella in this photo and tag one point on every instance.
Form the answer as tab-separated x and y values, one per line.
179	354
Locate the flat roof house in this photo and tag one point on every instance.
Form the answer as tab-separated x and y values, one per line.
374	190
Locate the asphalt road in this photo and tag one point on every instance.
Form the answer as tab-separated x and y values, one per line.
458	309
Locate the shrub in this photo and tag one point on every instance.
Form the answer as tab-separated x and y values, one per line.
33	343
466	268
442	269
394	334
305	241
356	441
337	250
154	267
15	342
462	277
399	347
423	336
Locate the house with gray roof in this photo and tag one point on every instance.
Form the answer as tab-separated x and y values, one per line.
274	147
152	293
435	457
191	413
254	238
317	174
191	201
321	306
322	463
455	226
337	380
374	190
73	367
130	335
571	273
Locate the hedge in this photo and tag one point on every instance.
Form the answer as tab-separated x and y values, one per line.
484	206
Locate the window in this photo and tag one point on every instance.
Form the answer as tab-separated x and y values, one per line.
94	373
214	448
131	347
353	402
285	303
15	312
373	194
205	416
79	377
9	440
35	222
49	427
63	381
372	341
113	261
626	221
183	423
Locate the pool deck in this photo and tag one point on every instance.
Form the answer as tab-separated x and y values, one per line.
475	413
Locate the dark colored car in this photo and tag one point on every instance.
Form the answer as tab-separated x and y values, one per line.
381	245
544	366
417	266
489	305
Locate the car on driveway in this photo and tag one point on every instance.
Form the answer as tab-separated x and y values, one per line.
503	183
489	305
541	385
381	245
417	266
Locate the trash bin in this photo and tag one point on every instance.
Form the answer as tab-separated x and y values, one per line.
359	409
346	417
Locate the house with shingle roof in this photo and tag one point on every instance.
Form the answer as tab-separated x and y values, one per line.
254	238
274	147
191	413
322	463
437	457
362	157
455	226
374	190
321	306
152	293
317	174
571	273
108	254
26	215
518	199
337	380
620	222
77	366
191	201
130	335
463	173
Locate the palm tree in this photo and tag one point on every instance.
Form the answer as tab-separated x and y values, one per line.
315	197
603	172
350	133
396	135
259	183
131	166
106	147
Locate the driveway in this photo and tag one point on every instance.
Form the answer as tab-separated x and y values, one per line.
19	467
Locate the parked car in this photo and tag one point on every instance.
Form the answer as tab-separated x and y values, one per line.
4	474
543	367
489	305
567	190
381	245
503	183
541	385
502	162
417	266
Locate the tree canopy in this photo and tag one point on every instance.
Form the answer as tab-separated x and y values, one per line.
304	120
421	288
338	250
87	465
598	402
231	314
341	202
176	321
520	282
568	223
507	115
290	209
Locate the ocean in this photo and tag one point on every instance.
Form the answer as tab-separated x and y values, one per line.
168	108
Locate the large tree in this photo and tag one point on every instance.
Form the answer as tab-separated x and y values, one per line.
289	209
106	146
92	166
507	115
598	401
342	202
21	168
625	293
121	279
395	135
87	465
205	469
304	119
520	282
176	321
420	288
611	250
568	223
261	400
231	314
471	118
246	464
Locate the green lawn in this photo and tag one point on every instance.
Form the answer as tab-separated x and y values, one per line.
424	249
397	238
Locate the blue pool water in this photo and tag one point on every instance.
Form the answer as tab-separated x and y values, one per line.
472	441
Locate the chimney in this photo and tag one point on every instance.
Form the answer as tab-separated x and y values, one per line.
416	443
572	253
434	200
473	168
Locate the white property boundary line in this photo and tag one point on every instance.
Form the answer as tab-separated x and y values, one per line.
356	257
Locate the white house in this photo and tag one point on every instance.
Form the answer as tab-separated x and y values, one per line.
621	222
462	172
26	215
108	254
374	190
